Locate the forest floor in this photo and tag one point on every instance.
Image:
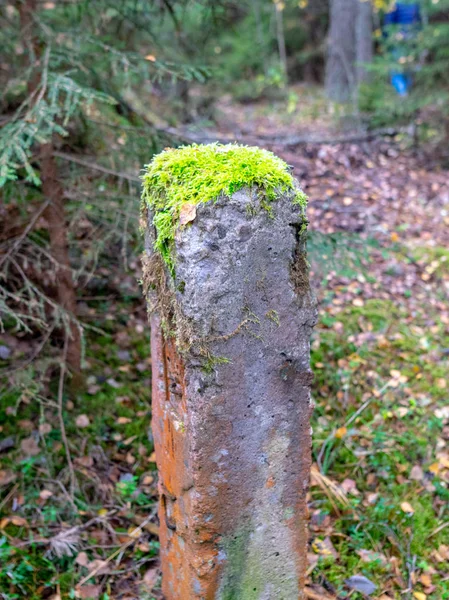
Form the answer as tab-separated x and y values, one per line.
378	248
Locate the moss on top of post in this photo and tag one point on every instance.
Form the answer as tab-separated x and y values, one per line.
187	176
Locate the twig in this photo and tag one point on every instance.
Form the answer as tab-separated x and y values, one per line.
63	489
8	495
312	595
73	481
96	166
118	551
365	404
25	232
361	136
439	528
30	359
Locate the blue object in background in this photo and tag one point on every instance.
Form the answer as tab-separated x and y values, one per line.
407	18
404	14
401	83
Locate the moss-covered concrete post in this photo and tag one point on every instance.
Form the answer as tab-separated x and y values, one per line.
231	316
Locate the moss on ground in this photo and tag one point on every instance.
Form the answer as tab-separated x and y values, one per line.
194	174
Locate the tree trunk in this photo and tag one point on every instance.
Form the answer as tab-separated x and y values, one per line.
59	248
341	77
281	39
364	39
54	213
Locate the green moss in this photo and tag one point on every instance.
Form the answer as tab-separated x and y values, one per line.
200	173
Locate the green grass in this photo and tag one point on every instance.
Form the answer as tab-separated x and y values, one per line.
113	463
378	355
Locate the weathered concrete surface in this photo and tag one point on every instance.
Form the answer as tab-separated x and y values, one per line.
233	441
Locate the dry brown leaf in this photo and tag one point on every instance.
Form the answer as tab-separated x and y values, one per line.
45	428
152	528
45	494
425	579
14	520
187	213
89	591
82	559
99	566
371	556
29	446
82	421
150	578
417	473
7	476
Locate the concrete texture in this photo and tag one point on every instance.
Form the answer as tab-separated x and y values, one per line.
232	431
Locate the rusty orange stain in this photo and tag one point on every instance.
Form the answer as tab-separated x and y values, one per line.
270	482
188	558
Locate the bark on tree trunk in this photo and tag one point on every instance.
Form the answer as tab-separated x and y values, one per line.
57	229
364	39
55	212
281	39
341	77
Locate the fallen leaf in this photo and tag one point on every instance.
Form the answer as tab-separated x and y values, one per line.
93	389
113	383
361	584
341	432
45	428
5	352
7	443
45	494
350	487
152	528
419	595
7	476
14	520
150	578
99	566
187	213
29	446
371	556
407	508
130	440
441	384
85	461
417	473
82	421
89	591
82	559
442	413
425	579
324	547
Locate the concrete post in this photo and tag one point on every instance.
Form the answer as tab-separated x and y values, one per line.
231	318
